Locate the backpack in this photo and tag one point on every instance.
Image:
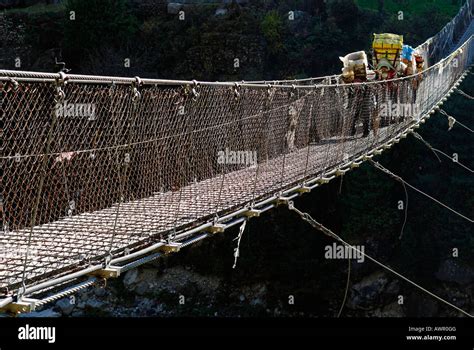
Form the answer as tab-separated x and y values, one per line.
387	47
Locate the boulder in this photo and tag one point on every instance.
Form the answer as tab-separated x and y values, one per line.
143	281
393	287
255	294
100	292
65	306
145	304
451	270
367	291
390	310
93	303
143	288
130	278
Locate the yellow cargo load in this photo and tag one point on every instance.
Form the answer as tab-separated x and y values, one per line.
388	46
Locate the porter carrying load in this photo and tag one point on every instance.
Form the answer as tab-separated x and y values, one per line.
387	49
355	66
408	58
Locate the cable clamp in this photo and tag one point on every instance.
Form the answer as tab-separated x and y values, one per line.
60	83
194	90
269	90
135	85
237	88
138	81
14	83
62	78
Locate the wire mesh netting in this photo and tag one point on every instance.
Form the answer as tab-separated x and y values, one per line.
93	169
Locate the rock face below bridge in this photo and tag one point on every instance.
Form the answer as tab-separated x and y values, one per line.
147	281
177	291
181	291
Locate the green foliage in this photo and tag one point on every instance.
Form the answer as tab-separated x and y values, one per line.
413	7
272	28
204	46
345	13
416	28
38	9
97	23
13	43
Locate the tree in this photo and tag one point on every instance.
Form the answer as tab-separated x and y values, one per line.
272	28
345	13
91	24
380	5
12	45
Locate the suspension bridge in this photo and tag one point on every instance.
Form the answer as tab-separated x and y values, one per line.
103	174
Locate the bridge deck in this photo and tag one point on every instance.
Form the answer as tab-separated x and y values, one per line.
71	241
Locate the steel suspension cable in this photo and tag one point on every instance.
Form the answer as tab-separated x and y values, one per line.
398	178
306	217
436	151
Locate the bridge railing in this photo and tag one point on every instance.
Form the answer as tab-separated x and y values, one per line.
96	166
442	44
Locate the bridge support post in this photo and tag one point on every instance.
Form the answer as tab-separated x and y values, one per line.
170	248
341	172
107	272
282	200
216	228
355	164
252	213
304	189
19	307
